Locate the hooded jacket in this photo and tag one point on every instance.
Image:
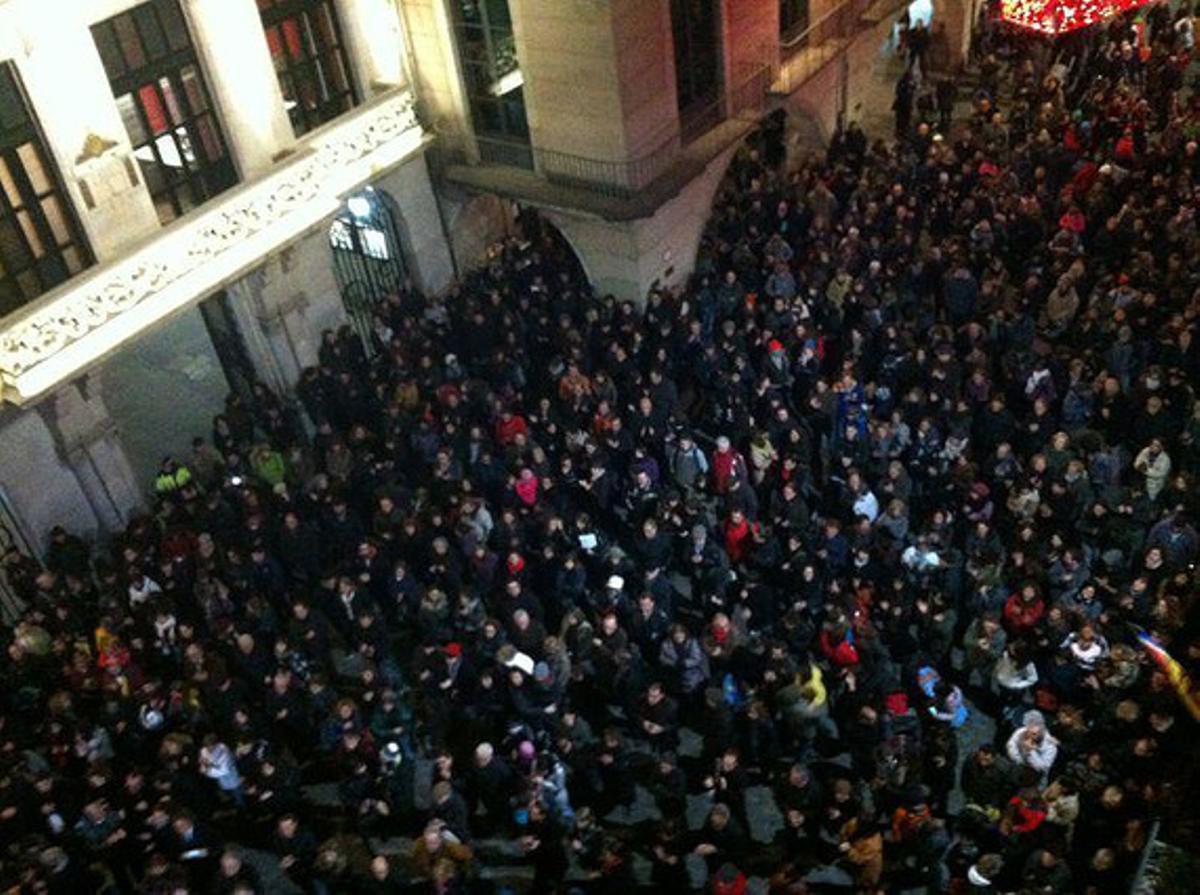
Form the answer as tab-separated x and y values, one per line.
1040	756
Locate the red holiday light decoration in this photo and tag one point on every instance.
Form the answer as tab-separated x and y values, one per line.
1061	16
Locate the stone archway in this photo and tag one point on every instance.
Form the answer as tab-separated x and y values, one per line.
543	228
626	258
792	129
478	221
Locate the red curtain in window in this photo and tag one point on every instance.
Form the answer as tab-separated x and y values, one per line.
152	105
291	34
291	37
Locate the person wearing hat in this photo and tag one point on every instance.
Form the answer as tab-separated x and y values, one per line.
721	839
1031	745
777	368
550	692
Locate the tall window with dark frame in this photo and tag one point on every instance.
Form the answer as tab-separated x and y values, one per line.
793	19
40	241
697	63
306	46
160	91
495	84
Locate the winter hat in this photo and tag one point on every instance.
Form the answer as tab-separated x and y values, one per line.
896	703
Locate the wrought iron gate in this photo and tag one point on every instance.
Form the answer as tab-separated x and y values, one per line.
368	257
11	535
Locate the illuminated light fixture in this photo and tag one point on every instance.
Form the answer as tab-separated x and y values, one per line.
514	80
1061	16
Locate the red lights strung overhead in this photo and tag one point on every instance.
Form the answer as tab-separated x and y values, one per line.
1061	16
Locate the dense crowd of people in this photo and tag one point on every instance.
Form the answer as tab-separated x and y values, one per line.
535	577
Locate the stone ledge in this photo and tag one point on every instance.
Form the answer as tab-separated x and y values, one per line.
528	186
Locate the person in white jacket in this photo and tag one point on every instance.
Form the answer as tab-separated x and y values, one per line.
1086	647
1014	673
218	763
1032	745
1155	464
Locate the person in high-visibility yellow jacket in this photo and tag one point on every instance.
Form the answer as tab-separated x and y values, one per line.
804	704
268	465
171	476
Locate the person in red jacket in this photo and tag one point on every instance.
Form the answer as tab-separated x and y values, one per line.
1023	610
738	540
837	646
525	486
911	819
727	465
509	426
1073	220
1025	812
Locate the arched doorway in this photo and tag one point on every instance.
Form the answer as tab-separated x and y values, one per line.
368	255
553	245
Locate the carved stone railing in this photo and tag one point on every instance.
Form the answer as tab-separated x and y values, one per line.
65	331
